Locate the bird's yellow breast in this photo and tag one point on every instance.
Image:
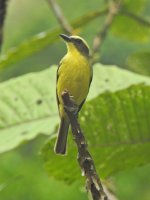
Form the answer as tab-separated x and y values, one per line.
74	74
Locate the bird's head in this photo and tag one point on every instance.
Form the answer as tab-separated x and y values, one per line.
76	44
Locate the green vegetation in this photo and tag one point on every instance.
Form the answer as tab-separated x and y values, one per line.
115	119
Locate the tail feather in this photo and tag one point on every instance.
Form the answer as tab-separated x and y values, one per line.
61	142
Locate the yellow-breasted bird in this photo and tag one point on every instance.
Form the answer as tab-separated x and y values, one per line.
74	74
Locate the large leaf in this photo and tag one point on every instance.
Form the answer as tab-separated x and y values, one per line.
28	103
27	108
140	63
116	125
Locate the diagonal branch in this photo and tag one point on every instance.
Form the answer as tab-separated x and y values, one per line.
135	17
60	16
113	10
93	183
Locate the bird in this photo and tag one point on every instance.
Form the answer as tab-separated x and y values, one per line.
74	74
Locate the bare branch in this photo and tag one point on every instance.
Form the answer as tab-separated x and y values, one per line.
135	17
93	183
60	16
3	6
113	10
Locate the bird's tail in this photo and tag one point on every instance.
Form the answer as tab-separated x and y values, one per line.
61	142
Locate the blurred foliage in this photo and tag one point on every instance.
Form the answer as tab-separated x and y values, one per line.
129	28
22	177
121	29
31	44
42	40
132	184
134	7
140	63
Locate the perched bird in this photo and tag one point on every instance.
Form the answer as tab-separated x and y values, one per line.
74	74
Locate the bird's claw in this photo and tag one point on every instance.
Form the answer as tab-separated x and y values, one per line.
72	108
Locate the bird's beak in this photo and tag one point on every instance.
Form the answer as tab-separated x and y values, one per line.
66	38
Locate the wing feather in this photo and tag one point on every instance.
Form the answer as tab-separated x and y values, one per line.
56	84
80	106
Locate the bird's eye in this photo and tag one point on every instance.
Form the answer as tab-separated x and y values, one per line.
79	41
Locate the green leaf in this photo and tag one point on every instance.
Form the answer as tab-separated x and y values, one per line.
27	107
116	124
42	40
28	103
130	29
29	47
111	78
140	63
134	7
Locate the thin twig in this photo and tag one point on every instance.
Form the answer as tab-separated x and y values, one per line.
102	33
93	183
135	17
60	16
3	6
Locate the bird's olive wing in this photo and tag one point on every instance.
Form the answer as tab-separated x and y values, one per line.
56	84
80	106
